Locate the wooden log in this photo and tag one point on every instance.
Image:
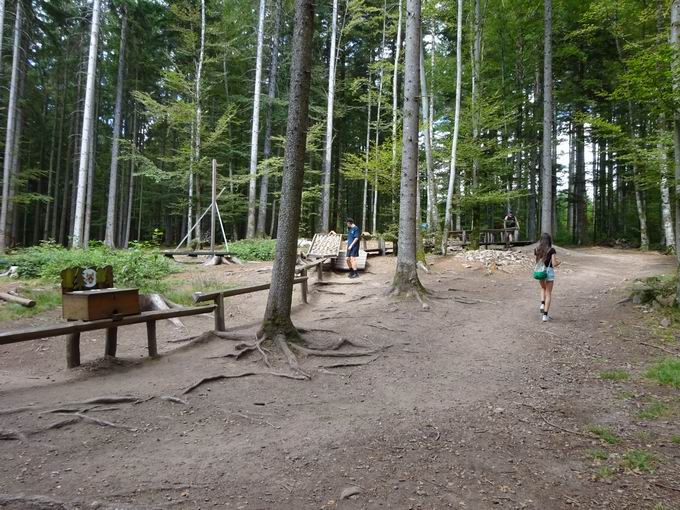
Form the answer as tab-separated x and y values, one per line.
151	338
219	314
73	350
13	298
111	342
157	302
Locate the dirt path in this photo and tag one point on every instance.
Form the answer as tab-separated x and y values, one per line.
476	404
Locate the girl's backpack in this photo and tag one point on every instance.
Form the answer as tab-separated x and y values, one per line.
540	271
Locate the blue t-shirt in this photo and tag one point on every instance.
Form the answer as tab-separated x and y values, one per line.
352	233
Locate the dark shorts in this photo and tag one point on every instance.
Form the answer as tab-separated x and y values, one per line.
354	251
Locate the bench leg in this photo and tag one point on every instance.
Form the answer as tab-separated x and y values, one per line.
73	350
319	272
219	313
151	338
111	342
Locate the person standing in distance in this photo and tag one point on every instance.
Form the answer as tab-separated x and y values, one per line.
353	234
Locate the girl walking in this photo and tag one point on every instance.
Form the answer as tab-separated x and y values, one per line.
546	253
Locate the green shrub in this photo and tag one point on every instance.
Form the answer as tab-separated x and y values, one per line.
253	249
638	460
666	371
614	375
134	267
605	434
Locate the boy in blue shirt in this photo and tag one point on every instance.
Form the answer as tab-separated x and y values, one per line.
353	234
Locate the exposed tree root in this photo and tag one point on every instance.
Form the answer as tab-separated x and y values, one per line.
282	343
37	502
334	353
349	363
103	423
11	435
378	326
174	399
551	424
219	377
15	410
660	348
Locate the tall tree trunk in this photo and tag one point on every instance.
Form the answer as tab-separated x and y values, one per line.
11	124
395	107
88	124
476	116
432	213
271	95
110	234
675	74
277	314
90	187
580	198
666	214
328	147
364	207
546	175
254	136
377	123
456	128
406	279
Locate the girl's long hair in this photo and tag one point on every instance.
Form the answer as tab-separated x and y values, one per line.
544	246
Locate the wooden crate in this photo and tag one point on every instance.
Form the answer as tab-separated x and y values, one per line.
89	305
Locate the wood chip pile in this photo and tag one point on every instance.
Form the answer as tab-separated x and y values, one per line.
493	260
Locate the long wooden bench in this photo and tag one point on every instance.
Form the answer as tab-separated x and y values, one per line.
74	329
218	297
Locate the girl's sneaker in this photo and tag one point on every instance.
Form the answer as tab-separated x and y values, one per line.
546	317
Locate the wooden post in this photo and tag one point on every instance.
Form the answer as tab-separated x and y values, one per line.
213	206
219	313
381	246
319	271
304	286
111	342
151	338
73	350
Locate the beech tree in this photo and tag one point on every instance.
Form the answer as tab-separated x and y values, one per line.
546	166
87	128
255	126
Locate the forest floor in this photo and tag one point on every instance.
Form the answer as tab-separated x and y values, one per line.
476	403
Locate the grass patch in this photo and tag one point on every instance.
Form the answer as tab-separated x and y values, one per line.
253	249
183	292
605	434
597	454
604	472
638	460
666	372
45	300
614	375
655	410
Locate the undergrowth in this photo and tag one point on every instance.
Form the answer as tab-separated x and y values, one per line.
45	299
134	267
253	249
666	371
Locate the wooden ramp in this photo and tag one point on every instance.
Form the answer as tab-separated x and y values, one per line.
341	261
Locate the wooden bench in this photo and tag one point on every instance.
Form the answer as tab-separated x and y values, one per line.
74	329
318	263
218	297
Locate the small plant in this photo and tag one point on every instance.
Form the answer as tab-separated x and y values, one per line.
597	454
604	473
605	434
638	460
675	439
614	375
655	410
666	372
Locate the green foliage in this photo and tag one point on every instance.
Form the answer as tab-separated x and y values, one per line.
182	292
655	410
614	375
136	267
666	372
605	434
638	460
255	249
